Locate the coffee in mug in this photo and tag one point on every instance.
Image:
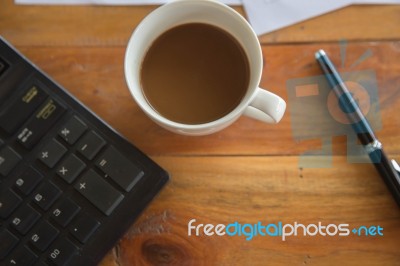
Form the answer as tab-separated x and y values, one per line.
194	73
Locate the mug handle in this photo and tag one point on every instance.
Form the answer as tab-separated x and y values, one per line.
266	107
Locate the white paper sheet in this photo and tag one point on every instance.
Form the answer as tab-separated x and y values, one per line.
109	2
264	15
377	2
269	15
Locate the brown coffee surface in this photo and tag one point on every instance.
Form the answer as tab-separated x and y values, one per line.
194	73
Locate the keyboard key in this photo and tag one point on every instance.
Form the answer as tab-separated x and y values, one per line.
70	168
84	227
24	219
119	168
40	123
22	256
7	243
46	195
51	153
43	235
90	145
28	180
93	187
72	130
21	108
64	212
3	66
9	201
8	160
62	252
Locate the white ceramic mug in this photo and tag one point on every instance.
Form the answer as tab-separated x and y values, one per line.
257	103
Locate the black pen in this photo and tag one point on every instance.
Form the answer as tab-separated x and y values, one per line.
389	170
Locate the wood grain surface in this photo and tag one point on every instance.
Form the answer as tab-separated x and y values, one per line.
250	171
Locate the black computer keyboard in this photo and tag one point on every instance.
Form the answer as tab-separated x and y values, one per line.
70	186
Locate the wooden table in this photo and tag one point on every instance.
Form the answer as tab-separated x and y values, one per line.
250	171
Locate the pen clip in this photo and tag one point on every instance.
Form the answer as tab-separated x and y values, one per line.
395	166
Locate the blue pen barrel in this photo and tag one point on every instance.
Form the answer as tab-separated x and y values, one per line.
386	171
346	101
358	122
361	126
